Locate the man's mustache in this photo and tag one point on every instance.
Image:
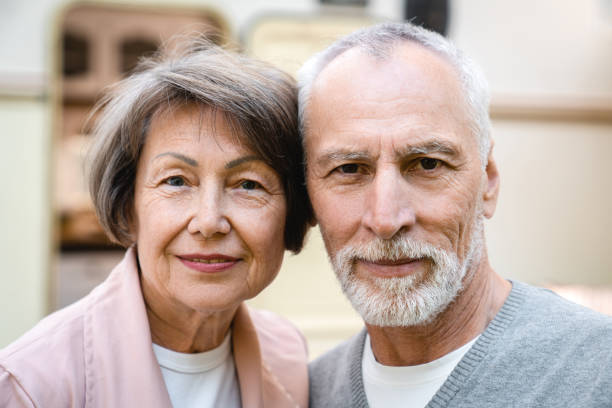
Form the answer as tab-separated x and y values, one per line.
395	249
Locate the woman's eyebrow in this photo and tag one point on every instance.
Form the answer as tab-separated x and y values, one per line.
179	156
240	160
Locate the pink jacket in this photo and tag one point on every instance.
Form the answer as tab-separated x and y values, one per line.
97	353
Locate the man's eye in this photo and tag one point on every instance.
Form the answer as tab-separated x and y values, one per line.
250	185
175	181
350	168
429	163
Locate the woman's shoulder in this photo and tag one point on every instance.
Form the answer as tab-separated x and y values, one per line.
44	364
48	333
60	330
273	329
284	355
47	363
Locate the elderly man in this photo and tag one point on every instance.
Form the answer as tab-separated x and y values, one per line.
401	176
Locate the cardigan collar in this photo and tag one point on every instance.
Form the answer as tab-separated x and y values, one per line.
121	368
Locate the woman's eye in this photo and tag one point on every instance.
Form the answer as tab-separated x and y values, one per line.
249	185
429	163
175	181
350	168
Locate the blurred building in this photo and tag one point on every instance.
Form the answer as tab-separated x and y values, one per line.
550	68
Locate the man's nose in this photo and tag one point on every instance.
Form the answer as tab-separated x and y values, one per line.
388	205
209	213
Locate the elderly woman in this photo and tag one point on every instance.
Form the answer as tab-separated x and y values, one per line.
196	169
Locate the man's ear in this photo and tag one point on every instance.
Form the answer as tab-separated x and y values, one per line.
491	190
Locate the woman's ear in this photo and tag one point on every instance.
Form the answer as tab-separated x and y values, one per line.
131	223
313	222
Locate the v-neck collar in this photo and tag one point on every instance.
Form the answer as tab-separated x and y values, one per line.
466	366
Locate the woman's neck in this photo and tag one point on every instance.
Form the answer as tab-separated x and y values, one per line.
176	327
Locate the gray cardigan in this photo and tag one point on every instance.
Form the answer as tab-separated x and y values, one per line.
539	351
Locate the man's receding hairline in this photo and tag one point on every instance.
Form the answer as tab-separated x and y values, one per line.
379	40
390	52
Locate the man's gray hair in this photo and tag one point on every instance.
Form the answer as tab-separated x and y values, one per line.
379	41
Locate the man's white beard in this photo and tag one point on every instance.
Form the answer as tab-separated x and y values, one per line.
410	300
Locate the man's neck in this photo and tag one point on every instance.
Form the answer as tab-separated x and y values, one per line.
464	319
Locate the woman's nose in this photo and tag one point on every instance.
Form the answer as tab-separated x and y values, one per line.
209	218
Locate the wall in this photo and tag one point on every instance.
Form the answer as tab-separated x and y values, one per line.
28	95
24	214
549	66
555	57
552	223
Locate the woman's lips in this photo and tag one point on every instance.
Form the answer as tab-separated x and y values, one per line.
386	268
209	263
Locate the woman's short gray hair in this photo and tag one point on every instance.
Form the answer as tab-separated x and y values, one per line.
258	100
379	41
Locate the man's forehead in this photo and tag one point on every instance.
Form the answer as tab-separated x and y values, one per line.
409	93
411	79
407	61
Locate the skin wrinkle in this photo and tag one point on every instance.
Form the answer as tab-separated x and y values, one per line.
426	148
475	316
246	162
211	213
438	335
441	208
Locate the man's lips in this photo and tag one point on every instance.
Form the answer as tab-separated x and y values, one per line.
387	268
208	263
390	262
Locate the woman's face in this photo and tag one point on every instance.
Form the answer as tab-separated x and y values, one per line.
209	215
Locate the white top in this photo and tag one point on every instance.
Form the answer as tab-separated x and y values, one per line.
407	386
200	380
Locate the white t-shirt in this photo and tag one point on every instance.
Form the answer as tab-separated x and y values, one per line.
407	386
200	380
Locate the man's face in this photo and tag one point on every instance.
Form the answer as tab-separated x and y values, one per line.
396	182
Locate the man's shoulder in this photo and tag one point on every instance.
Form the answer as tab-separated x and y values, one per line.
553	329
336	375
560	314
540	350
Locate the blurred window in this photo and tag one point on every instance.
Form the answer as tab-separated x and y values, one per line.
431	14
132	50
76	54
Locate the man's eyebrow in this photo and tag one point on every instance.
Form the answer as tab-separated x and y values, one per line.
427	148
340	155
237	162
180	156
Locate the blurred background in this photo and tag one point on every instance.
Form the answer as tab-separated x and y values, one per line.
549	64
